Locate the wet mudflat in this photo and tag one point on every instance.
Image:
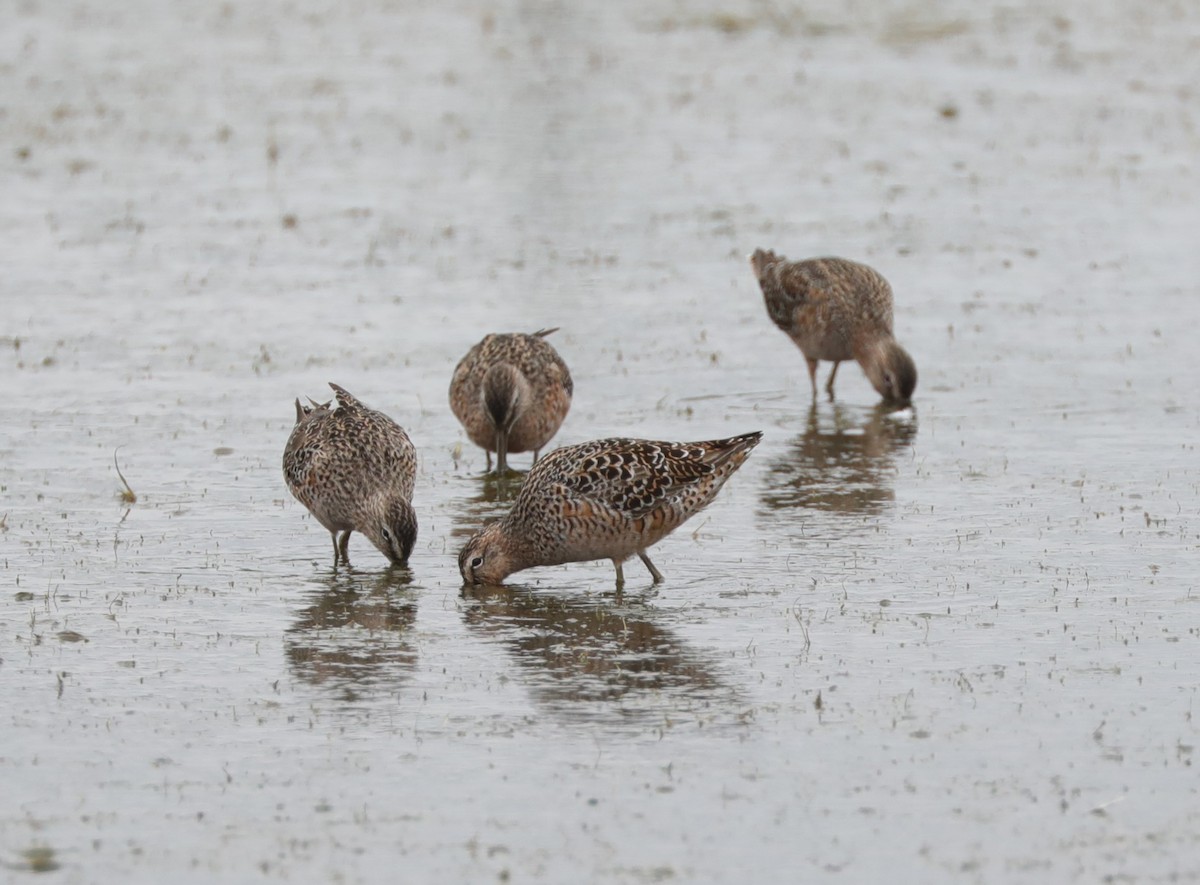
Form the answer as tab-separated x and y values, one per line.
958	642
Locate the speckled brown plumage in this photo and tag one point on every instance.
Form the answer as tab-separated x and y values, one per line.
354	468
511	393
835	309
607	499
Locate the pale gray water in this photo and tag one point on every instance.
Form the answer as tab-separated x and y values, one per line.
955	643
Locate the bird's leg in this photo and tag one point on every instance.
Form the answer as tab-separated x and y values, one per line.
535	454
812	375
654	573
343	547
488	452
501	452
620	573
829	383
335	549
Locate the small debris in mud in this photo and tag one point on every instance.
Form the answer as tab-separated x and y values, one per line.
39	859
128	496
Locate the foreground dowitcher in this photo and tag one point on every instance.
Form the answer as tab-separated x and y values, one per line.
607	499
834	309
354	468
511	393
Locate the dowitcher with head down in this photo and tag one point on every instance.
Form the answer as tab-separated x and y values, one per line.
511	392
354	468
606	499
835	309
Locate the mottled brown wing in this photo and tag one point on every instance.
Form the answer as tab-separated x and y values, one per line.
633	477
555	365
466	365
846	286
808	283
345	399
556	361
304	459
391	448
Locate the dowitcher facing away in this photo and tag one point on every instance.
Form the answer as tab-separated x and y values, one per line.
834	309
354	469
511	393
607	499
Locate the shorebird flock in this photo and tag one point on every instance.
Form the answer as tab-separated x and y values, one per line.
354	468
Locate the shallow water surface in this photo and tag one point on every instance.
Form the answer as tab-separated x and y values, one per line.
952	642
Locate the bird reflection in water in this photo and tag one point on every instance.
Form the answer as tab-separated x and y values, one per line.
844	460
586	659
353	639
493	497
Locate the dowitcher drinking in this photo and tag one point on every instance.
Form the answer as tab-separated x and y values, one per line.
834	309
607	499
354	469
511	393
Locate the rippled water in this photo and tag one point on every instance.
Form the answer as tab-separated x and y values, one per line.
956	642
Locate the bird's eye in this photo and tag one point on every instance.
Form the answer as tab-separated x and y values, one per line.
387	536
477	562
